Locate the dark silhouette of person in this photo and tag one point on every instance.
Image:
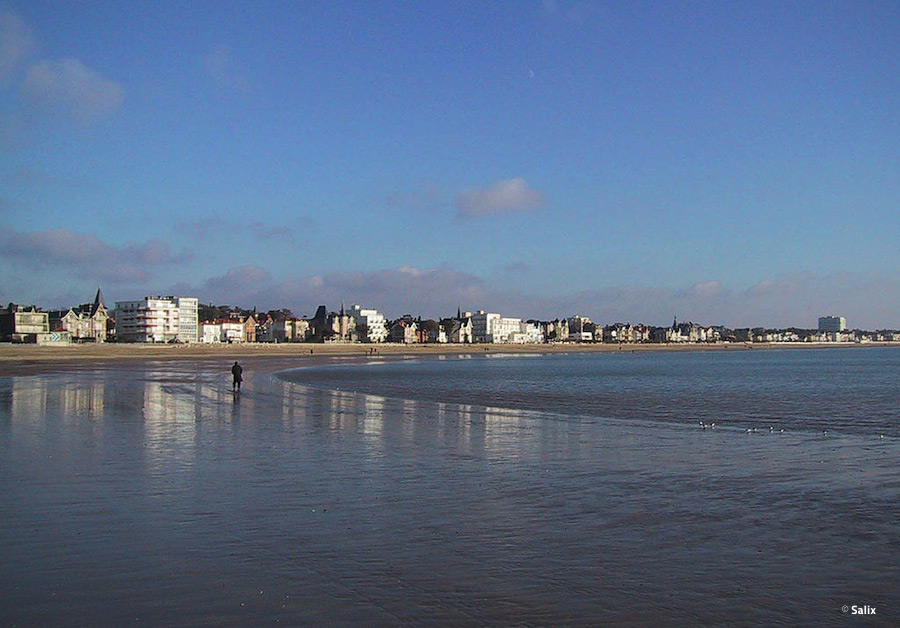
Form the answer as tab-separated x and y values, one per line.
237	378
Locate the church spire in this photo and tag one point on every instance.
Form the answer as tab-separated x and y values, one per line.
98	302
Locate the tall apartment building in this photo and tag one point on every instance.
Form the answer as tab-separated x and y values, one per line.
483	325
188	318
375	324
832	323
158	319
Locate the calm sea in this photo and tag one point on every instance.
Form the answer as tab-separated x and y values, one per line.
850	391
548	490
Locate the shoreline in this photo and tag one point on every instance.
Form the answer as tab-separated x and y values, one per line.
18	359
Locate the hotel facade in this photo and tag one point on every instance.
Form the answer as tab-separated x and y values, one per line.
158	319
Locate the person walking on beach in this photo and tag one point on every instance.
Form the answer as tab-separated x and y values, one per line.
237	378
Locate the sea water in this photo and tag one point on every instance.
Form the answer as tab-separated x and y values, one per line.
542	490
849	391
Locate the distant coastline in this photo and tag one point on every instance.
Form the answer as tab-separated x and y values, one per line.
19	359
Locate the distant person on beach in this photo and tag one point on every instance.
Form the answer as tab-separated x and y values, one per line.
237	378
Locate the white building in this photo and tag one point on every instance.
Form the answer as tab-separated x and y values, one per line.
152	319
188	318
375	324
832	323
210	333
490	327
483	325
528	333
232	331
158	319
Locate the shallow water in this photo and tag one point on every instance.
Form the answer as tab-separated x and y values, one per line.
154	495
846	390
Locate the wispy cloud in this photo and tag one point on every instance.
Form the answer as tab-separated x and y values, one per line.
788	300
16	44
707	289
505	196
239	280
65	85
431	291
86	255
219	64
73	87
783	301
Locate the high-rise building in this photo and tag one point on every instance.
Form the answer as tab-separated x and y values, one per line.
188	319
158	319
832	323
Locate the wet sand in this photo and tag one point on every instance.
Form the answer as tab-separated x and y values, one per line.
145	491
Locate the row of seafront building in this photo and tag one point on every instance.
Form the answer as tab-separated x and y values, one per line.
358	324
177	319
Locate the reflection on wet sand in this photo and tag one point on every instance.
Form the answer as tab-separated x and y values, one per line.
163	495
35	399
171	411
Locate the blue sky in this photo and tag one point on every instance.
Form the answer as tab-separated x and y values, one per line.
731	163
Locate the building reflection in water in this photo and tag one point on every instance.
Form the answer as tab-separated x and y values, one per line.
175	415
341	410
35	399
170	422
291	408
373	417
28	399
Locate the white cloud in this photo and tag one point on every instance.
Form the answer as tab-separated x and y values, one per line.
72	86
707	289
507	195
16	44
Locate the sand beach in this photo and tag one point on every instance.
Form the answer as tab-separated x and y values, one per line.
24	358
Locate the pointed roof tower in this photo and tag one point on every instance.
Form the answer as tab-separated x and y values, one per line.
458	313
98	302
